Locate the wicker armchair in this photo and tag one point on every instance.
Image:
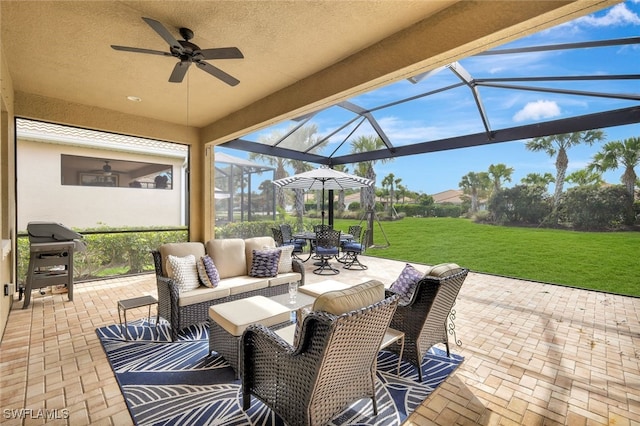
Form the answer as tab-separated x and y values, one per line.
424	318
332	365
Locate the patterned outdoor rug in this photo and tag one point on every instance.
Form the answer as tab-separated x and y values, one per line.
179	383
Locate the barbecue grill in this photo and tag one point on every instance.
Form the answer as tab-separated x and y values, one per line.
51	257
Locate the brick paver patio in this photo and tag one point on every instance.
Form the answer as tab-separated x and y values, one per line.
534	354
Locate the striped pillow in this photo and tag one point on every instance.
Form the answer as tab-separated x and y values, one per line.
208	272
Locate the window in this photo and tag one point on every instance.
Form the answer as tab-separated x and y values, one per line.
109	172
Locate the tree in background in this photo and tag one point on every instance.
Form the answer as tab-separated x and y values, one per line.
557	145
620	153
475	185
585	177
537	179
277	162
499	173
365	169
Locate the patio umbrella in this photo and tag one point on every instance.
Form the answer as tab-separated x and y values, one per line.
220	195
323	178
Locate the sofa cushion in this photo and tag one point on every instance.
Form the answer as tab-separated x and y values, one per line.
280	279
356	297
179	250
243	284
406	283
229	256
444	270
265	263
207	271
184	272
202	294
256	243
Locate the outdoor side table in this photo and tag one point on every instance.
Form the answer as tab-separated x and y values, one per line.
392	336
137	302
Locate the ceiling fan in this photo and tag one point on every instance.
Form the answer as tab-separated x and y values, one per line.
106	169
188	53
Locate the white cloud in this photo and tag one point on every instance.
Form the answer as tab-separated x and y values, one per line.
616	16
537	110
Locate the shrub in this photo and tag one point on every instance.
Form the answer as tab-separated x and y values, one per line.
526	204
594	208
354	206
445	210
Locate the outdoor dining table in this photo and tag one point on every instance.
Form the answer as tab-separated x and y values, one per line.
311	237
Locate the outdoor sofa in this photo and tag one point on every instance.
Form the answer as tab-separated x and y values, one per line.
234	265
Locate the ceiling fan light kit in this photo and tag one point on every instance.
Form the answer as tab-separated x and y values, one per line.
188	53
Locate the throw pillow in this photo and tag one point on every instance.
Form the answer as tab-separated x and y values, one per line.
184	271
405	285
265	263
208	272
286	252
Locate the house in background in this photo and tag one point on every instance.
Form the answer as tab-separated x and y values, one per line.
85	179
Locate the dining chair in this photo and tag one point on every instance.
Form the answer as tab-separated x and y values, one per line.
327	245
351	249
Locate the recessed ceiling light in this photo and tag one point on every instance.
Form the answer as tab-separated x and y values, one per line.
134	99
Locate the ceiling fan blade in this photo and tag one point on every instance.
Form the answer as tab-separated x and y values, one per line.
164	33
179	71
222	53
218	73
138	50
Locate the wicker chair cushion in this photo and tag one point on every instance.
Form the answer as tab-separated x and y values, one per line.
229	256
207	271
342	301
406	283
185	272
179	250
265	263
444	270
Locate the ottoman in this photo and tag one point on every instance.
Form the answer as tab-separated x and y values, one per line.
227	322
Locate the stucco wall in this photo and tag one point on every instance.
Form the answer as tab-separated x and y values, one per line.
41	196
7	190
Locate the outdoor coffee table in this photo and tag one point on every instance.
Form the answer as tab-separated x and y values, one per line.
137	302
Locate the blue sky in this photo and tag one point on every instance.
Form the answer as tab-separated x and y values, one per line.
453	113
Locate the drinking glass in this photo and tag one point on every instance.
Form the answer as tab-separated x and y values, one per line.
293	291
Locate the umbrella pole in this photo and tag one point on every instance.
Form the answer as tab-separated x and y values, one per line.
322	214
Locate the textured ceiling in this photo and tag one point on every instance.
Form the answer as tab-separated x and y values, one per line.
61	50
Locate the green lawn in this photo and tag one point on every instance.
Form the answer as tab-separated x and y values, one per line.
606	261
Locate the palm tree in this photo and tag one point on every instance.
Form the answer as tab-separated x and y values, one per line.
585	177
475	185
303	138
620	153
499	173
341	194
558	145
388	181
277	162
537	179
365	169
